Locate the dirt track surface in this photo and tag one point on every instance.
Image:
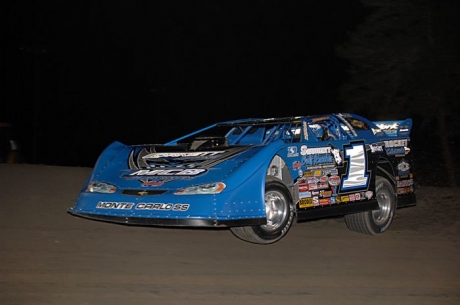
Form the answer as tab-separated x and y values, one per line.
48	256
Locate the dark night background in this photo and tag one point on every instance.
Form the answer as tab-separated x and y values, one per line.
79	75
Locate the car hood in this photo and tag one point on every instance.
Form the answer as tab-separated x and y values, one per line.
172	167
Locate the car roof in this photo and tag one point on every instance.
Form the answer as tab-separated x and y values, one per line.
297	119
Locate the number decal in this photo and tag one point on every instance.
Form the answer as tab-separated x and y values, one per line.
357	176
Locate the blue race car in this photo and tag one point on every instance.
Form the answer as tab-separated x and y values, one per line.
258	176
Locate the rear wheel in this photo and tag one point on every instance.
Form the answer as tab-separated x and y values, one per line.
376	221
280	216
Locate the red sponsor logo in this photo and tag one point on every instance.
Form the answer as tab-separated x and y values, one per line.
303	188
334	180
152	183
296	165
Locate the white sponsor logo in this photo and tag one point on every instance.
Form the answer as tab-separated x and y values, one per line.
304	150
169	172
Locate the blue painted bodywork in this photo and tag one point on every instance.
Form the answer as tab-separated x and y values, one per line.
147	179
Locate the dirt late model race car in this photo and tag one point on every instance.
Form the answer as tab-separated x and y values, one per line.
258	176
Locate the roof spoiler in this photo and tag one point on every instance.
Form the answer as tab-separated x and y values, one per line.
399	128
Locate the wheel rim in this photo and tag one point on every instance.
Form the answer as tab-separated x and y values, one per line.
276	209
383	213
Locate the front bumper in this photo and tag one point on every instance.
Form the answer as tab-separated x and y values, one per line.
177	222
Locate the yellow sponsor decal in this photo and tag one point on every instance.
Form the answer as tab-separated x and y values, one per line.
305	203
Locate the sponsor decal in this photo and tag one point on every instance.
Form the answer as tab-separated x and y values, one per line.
396	143
304	150
324	201
148	157
403	183
317	172
324	193
323	179
390	131
336	153
403	168
315	201
396	147
376	147
303	187
344	199
296	165
151	182
292	151
114	205
332	200
405	190
313	186
305	203
168	172
304	194
315	160
386	126
179	207
395	151
323	185
156	156
334	180
311	180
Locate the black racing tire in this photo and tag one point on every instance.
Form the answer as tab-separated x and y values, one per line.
280	217
376	221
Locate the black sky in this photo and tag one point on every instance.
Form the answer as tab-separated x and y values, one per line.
81	75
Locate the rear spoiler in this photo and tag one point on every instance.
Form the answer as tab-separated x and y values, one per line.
401	128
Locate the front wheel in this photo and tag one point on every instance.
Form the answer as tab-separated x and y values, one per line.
376	221
280	215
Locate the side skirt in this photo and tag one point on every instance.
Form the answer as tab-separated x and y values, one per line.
336	210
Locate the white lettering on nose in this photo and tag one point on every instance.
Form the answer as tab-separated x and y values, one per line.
169	172
115	205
